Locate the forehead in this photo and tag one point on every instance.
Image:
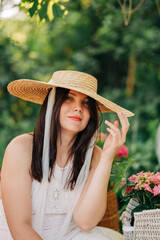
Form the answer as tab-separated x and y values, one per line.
78	94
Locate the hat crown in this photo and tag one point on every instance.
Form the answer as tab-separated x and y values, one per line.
36	91
74	79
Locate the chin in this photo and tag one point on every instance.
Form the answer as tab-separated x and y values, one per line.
73	129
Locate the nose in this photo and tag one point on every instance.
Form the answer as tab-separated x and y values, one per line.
78	108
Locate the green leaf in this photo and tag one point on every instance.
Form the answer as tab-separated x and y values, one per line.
140	208
118	172
157	205
43	10
123	190
116	186
144	201
28	1
57	11
33	9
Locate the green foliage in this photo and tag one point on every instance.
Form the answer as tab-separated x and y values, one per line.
45	10
57	11
119	171
100	144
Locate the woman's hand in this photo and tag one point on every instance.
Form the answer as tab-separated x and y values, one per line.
117	137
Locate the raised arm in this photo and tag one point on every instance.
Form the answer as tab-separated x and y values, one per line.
16	188
93	200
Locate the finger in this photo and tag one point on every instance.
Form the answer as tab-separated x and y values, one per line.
114	135
124	123
123	117
112	126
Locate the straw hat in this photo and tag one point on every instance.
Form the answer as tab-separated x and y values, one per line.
36	91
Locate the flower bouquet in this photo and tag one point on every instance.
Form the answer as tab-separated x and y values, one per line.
143	190
145	187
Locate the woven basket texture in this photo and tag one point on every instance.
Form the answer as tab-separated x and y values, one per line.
128	232
111	217
147	225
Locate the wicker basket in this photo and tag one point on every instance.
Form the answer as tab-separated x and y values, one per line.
147	225
111	217
128	232
126	219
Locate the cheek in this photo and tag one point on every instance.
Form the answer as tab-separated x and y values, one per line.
62	112
63	109
87	116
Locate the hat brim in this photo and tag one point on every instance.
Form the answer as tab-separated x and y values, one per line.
36	91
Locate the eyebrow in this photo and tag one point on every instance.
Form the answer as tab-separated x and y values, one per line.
76	95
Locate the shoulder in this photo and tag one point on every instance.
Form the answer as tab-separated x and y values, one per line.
20	143
19	150
96	156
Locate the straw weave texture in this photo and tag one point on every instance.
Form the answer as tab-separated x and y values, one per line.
111	217
147	225
36	91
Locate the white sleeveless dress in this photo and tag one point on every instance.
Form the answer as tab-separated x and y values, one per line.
55	209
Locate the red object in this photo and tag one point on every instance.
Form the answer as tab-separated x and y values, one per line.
128	190
123	183
122	152
75	118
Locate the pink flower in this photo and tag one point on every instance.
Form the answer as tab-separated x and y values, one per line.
123	183
140	173
132	178
143	184
148	174
155	178
139	185
122	152
156	190
147	187
128	190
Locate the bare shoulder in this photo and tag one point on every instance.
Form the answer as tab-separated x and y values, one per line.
20	142
16	181
19	150
96	156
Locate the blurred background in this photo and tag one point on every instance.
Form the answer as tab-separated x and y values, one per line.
122	50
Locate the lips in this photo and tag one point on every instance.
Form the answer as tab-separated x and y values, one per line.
75	118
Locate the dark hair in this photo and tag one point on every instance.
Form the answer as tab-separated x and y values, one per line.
79	147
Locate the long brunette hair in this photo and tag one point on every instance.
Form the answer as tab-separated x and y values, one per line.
79	147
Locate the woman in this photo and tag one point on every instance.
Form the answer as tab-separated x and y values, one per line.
54	181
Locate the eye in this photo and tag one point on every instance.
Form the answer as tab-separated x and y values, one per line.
86	103
68	98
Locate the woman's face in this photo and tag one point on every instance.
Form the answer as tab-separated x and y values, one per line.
74	112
